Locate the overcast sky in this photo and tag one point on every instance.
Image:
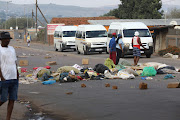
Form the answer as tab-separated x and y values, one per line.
83	3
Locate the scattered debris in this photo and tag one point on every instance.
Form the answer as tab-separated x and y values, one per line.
23	63
51	63
85	61
174	85
107	85
47	57
143	86
69	93
114	87
83	85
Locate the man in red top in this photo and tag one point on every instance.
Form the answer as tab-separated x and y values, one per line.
136	43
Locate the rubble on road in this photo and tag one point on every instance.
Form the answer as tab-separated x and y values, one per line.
124	70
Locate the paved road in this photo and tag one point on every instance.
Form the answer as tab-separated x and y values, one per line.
95	102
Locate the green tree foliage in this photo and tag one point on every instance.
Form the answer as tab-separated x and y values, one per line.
21	23
138	9
174	13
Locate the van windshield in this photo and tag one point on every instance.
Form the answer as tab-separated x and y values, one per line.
93	34
142	32
69	33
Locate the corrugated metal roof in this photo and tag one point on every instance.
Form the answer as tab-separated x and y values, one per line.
148	22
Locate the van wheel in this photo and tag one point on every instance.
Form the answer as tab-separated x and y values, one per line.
55	48
61	48
78	51
148	56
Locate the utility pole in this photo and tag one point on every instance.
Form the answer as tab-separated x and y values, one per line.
7	12
36	17
32	18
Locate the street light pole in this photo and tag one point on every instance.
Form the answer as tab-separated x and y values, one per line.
7	12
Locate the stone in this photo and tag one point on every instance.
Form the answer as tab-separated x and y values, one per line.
107	85
69	93
51	63
85	61
23	63
143	86
174	85
114	87
47	57
83	85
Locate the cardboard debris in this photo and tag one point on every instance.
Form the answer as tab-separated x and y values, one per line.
23	63
85	61
174	85
114	87
107	85
143	86
83	85
47	57
51	63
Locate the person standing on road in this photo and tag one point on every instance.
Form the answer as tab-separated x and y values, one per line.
119	48
28	38
136	43
112	48
9	75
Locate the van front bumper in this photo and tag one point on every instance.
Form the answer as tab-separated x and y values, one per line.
68	46
128	51
99	49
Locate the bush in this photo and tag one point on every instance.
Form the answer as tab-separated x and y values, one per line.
171	49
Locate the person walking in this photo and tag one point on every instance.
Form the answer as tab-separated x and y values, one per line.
9	75
136	44
28	38
119	48
112	48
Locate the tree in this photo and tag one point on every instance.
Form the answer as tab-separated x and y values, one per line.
138	9
21	23
174	13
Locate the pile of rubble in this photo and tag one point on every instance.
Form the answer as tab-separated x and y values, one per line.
108	70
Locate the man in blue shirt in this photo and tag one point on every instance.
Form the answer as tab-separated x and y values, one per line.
112	48
119	48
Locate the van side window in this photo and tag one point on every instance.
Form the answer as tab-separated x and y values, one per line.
56	34
112	31
83	35
78	34
60	34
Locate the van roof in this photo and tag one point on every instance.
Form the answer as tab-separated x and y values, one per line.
66	28
128	25
91	27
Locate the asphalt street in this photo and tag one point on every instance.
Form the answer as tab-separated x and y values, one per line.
96	102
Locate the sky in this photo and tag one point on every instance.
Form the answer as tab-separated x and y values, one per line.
83	3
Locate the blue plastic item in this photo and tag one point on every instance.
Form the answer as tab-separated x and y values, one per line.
49	82
169	76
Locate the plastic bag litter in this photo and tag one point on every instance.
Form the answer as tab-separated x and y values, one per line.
169	76
125	75
167	70
139	72
130	71
42	71
153	64
149	71
77	67
49	82
100	68
109	63
125	63
67	69
107	74
120	67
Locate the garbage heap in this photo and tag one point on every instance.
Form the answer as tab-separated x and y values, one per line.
124	70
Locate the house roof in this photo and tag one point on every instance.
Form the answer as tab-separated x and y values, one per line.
78	20
148	22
